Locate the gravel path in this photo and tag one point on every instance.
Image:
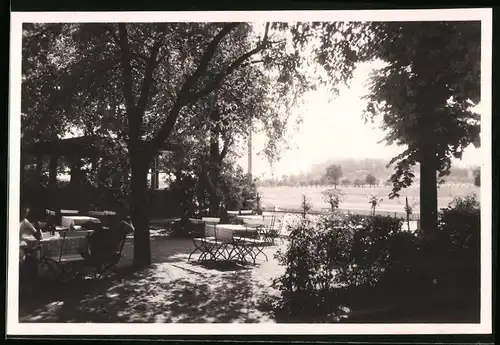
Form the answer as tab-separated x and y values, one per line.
171	290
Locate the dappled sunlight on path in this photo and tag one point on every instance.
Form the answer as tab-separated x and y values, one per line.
171	290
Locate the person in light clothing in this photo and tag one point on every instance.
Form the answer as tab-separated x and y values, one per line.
29	236
27	231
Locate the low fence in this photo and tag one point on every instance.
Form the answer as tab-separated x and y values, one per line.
321	211
413	225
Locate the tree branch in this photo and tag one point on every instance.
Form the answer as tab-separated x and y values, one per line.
127	69
207	57
238	100
231	68
225	149
252	62
151	64
182	98
111	30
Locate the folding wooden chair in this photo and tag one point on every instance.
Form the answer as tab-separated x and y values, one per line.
203	242
271	230
105	251
70	259
224	244
251	245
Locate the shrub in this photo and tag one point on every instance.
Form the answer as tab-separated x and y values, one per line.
370	250
457	244
333	197
337	251
305	205
373	257
374	201
306	284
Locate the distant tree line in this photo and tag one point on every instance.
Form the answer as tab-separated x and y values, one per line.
334	176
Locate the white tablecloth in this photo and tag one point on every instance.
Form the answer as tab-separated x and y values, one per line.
77	220
51	244
210	220
247	212
230	227
252	217
225	232
69	212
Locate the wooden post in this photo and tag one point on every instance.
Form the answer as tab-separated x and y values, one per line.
250	179
153	174
157	172
39	167
53	171
75	170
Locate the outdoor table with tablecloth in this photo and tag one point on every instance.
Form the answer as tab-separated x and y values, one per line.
51	245
66	221
210	223
227	231
250	217
69	212
242	240
57	253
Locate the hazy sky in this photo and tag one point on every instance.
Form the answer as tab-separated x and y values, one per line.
332	129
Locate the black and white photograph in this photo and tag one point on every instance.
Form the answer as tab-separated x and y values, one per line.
322	172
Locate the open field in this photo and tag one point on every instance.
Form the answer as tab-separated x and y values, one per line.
356	199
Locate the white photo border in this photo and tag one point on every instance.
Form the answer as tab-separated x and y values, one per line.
14	327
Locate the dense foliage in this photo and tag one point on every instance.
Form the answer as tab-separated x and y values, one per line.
371	180
204	84
155	83
425	96
457	243
356	261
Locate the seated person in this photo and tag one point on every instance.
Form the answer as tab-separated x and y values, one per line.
27	228
122	222
26	233
104	243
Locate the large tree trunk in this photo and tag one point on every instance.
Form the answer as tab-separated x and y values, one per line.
215	200
142	248
214	165
428	193
428	218
428	198
39	168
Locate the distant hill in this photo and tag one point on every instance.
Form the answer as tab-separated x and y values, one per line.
353	169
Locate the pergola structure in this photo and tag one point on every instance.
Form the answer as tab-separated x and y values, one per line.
75	149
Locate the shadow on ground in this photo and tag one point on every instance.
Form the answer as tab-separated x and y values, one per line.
171	290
